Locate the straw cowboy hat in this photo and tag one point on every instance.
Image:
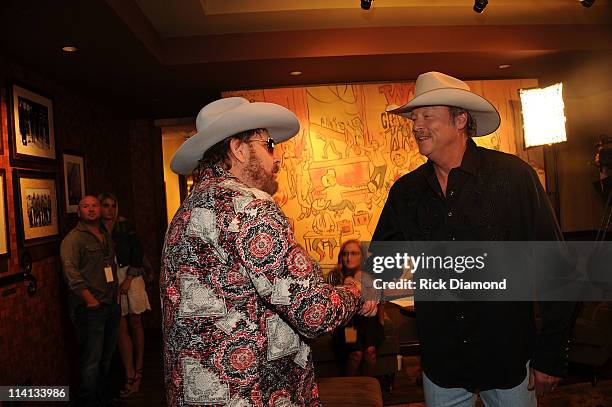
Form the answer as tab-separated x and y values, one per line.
438	89
224	118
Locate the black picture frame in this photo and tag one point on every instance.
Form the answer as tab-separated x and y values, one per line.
74	180
31	126
36	207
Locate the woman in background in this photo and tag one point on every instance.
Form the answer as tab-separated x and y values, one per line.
134	300
369	330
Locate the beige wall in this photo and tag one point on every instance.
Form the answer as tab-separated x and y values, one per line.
172	138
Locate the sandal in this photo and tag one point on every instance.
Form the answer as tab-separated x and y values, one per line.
137	380
128	388
132	385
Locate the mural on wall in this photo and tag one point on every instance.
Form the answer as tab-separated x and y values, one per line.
336	173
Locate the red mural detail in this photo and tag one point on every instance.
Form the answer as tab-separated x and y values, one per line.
396	93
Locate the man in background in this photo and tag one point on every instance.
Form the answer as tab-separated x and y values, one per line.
88	260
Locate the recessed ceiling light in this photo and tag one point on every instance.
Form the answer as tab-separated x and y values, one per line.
480	5
587	3
295	73
504	66
70	48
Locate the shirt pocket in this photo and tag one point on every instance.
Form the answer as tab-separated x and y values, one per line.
93	251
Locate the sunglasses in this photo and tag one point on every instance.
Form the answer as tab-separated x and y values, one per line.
269	143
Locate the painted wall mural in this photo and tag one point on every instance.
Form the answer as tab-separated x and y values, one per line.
336	173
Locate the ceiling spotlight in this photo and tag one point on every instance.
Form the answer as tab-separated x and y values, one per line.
366	4
587	3
479	5
70	48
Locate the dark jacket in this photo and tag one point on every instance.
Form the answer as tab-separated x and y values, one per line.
127	246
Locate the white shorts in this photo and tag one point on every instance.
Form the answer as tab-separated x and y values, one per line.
136	300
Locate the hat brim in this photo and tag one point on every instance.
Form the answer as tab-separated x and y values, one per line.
281	123
486	115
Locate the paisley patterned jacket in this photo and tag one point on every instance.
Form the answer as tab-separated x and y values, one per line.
240	299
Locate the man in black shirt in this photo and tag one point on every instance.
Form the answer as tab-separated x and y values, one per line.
468	193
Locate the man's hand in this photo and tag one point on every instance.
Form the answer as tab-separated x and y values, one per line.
93	304
352	281
541	382
369	308
90	300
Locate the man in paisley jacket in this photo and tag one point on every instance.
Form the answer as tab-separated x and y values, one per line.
240	296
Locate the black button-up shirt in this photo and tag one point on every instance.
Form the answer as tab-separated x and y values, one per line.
492	196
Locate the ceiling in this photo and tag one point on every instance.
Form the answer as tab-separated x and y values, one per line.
160	58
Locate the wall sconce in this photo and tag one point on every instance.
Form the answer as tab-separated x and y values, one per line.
479	5
543	115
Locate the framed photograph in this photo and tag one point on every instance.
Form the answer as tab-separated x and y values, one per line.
35	206
74	180
4	228
31	129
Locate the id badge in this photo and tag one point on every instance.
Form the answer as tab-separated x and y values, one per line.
108	271
350	334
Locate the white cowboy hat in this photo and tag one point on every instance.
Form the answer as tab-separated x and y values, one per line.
224	118
438	89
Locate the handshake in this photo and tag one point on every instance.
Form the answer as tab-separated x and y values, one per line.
369	307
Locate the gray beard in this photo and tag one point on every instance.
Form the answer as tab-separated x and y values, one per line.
259	178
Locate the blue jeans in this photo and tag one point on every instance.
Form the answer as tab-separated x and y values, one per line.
97	331
519	396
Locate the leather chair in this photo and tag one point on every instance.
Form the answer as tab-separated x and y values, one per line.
591	340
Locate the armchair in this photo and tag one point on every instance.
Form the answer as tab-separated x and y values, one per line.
591	341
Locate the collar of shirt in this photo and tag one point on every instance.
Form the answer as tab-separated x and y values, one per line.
470	164
207	171
82	228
